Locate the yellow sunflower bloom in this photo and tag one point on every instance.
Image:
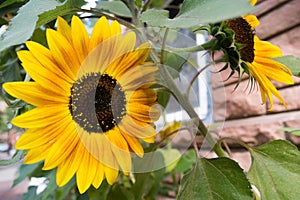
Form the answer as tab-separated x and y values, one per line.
170	129
257	57
93	102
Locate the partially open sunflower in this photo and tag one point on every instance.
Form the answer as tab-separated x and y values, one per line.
257	57
92	98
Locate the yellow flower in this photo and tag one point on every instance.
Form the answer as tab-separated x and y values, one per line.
170	128
93	102
257	57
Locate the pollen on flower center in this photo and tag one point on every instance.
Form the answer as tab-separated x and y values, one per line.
97	102
244	34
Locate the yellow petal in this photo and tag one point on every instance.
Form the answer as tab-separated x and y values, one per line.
86	172
42	75
63	147
132	59
99	175
100	33
134	144
131	127
252	20
120	149
253	2
69	166
44	57
64	29
34	94
80	38
37	154
63	53
42	116
111	174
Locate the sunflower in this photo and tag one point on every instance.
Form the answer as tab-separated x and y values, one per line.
93	102
256	56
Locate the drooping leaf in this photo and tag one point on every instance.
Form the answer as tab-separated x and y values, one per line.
292	62
275	170
195	12
115	7
215	179
22	26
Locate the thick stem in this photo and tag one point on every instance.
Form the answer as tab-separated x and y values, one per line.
182	99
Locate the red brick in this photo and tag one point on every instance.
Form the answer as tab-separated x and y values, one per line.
279	20
290	96
239	103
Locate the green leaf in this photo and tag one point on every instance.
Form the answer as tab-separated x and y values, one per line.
155	17
275	170
186	162
195	12
69	7
212	179
291	130
31	194
26	170
292	62
171	158
10	2
16	158
22	26
101	193
163	98
115	7
119	192
65	191
51	185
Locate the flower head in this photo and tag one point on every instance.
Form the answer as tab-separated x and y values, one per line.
256	58
92	98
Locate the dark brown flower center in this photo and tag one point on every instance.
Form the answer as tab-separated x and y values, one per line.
97	102
244	34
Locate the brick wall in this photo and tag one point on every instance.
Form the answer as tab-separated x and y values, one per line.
245	117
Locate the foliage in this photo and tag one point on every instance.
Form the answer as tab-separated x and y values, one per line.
275	165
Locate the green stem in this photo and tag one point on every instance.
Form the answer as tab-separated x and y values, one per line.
182	99
202	47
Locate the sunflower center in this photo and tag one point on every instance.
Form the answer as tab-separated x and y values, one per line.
97	102
244	34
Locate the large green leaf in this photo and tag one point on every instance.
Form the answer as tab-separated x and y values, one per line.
292	62
195	12
69	7
115	7
275	170
22	26
212	179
